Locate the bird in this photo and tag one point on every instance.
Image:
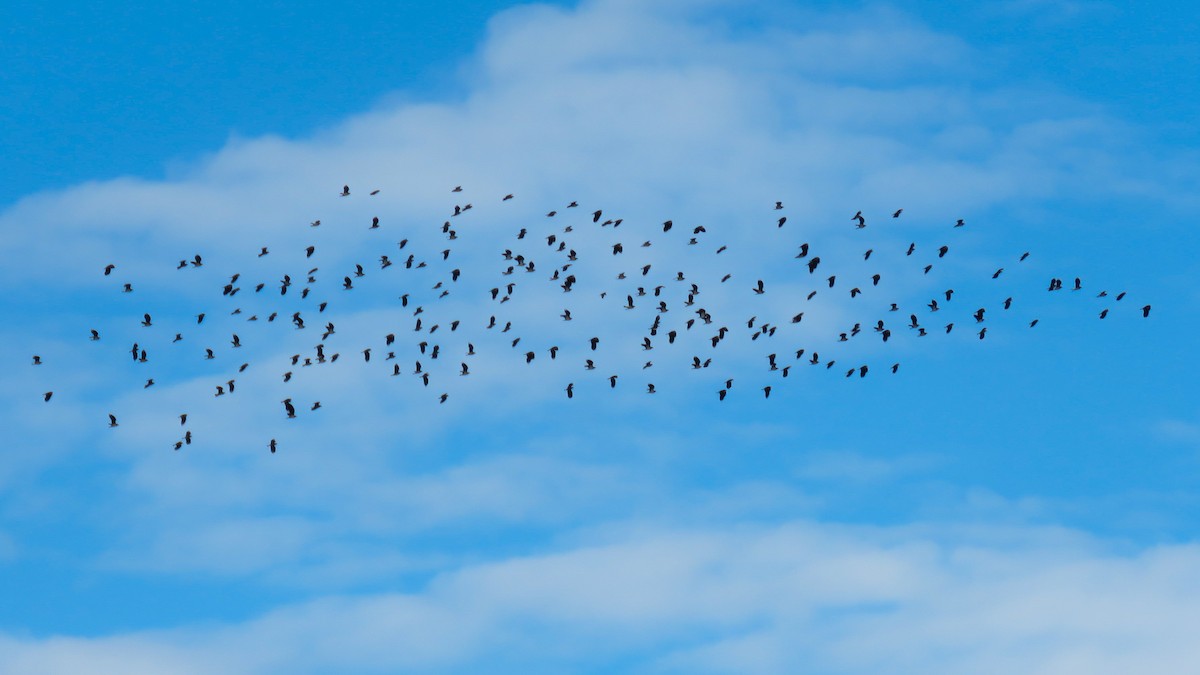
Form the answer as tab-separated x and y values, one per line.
563	244
272	444
112	419
46	396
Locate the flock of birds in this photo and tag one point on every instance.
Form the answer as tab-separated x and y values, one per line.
669	307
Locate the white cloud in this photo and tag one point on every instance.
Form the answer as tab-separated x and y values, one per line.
649	113
797	597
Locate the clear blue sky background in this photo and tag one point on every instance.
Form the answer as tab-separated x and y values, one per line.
1022	504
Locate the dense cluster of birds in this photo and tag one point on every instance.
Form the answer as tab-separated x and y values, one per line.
669	306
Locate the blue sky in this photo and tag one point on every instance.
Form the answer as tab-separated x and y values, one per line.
1021	504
